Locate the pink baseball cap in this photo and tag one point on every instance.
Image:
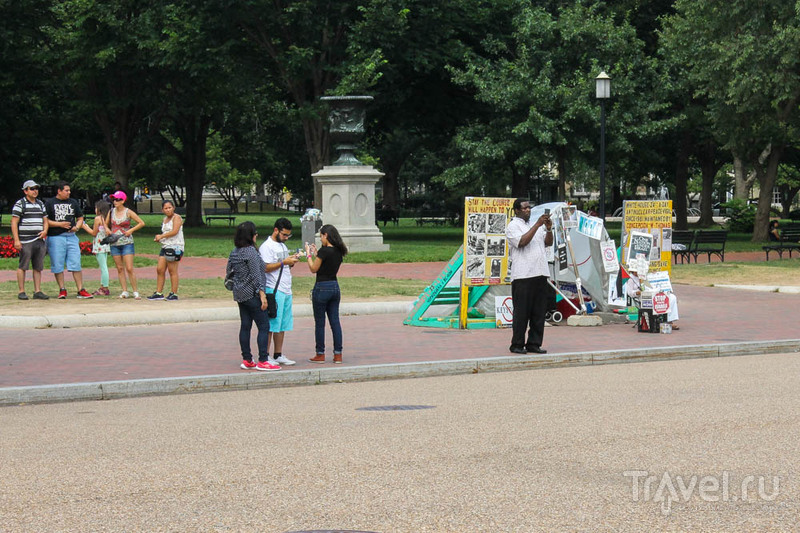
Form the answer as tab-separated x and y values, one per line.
119	195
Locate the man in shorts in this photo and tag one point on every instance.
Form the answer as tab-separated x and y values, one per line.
65	219
29	227
276	255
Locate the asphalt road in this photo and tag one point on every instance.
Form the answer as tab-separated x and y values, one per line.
635	447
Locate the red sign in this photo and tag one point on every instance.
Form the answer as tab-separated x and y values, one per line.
660	303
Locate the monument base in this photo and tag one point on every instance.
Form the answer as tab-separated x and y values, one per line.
348	202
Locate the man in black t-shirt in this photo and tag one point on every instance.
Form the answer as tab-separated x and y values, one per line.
66	218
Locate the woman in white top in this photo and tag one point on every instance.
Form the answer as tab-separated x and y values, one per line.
122	250
172	245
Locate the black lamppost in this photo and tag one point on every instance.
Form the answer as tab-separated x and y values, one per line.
603	89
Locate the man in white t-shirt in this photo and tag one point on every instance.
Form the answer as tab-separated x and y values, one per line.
276	255
527	242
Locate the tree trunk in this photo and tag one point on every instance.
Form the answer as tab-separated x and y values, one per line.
709	166
787	197
519	184
318	149
767	176
682	181
562	174
193	132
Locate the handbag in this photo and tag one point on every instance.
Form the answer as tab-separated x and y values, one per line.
229	280
272	303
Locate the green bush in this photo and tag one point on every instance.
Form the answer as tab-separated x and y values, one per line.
742	217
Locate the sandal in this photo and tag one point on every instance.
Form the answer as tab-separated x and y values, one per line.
124	295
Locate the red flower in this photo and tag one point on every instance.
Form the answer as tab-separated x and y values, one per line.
7	247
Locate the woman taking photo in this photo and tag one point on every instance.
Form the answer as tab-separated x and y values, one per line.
123	252
325	296
247	270
172	245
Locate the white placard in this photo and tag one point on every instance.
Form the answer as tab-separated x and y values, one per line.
609	252
660	281
590	226
503	311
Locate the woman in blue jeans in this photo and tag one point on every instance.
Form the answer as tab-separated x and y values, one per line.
247	270
325	296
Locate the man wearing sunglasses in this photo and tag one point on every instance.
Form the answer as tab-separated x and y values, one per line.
279	263
65	219
28	227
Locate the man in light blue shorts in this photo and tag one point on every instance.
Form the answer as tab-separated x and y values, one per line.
279	264
65	219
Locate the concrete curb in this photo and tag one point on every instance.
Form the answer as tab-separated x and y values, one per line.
289	378
191	315
763	288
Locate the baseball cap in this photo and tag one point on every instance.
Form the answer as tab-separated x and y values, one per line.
28	184
119	195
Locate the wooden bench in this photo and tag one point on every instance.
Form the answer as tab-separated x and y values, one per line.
387	214
683	239
220	213
790	241
710	242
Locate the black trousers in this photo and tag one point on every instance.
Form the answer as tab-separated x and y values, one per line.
530	297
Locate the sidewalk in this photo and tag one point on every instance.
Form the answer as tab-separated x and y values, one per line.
184	356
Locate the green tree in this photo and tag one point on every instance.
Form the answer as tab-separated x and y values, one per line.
111	56
540	86
744	57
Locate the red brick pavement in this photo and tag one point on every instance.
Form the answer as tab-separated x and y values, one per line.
213	267
27	357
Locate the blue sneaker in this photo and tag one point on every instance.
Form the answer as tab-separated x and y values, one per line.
172	297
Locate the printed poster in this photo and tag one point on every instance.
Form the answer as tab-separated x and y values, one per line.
485	244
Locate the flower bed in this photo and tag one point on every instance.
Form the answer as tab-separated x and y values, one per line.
7	247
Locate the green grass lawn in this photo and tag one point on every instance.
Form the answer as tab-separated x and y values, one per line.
408	242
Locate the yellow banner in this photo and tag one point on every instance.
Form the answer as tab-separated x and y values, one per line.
654	217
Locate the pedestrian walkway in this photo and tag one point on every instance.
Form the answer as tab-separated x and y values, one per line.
95	363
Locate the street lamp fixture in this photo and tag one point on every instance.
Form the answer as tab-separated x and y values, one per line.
603	92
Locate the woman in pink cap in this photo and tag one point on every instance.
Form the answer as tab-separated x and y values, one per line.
122	250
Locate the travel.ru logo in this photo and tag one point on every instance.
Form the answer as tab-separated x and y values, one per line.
667	488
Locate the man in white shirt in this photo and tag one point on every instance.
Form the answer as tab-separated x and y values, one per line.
276	255
527	242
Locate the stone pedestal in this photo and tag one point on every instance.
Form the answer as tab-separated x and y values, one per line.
348	202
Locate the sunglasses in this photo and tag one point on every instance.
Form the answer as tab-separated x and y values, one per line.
33	188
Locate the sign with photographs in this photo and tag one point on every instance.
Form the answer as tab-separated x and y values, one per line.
653	217
485	246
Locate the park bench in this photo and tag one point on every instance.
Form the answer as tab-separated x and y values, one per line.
387	214
220	213
682	245
433	217
709	242
790	241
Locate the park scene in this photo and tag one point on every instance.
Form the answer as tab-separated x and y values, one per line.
402	169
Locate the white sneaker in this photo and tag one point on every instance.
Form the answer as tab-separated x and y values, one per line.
136	296
283	360
124	294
